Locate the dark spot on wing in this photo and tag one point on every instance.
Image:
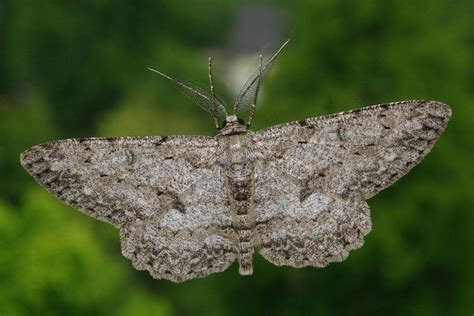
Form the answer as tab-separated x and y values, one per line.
423	102
303	123
130	157
307	186
43	172
304	193
60	192
340	134
53	180
112	139
39	160
178	205
426	127
161	141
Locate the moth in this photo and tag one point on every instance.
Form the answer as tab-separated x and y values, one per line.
188	206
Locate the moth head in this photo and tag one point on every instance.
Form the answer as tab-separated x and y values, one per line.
232	120
233	125
246	100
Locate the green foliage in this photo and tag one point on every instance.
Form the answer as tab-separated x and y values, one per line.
22	124
52	263
74	69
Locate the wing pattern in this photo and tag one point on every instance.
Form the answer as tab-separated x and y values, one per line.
314	176
162	192
358	153
310	230
310	180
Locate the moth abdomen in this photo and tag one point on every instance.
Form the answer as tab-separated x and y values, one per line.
239	166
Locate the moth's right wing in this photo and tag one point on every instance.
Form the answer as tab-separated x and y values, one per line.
358	153
313	176
166	195
298	230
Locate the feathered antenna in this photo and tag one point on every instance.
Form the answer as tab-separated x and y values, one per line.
249	91
208	102
254	104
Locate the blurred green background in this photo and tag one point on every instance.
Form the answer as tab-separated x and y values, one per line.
78	68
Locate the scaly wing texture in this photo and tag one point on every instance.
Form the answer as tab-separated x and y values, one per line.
356	153
136	182
310	230
314	175
191	238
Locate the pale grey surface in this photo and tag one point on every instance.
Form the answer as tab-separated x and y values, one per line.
187	206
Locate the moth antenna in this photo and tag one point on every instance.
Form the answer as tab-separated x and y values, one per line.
199	96
249	88
211	82
254	104
213	92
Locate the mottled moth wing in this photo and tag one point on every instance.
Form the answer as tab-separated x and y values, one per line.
328	166
299	228
166	195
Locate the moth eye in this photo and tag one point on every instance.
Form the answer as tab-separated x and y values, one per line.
241	121
224	124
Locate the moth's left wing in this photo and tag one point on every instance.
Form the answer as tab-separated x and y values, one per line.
166	194
115	179
354	154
